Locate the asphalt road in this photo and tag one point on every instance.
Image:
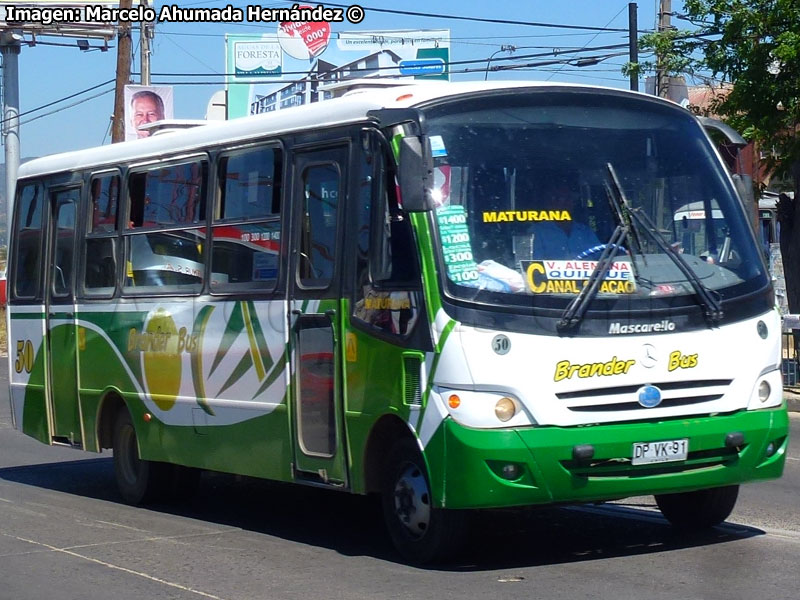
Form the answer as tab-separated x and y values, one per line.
65	533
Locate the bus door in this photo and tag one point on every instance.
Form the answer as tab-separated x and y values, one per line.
315	338
62	393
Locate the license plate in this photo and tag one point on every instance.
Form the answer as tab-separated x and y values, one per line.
645	453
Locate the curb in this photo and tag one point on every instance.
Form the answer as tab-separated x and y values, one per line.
792	401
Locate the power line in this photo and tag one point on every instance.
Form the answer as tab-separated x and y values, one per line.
524	66
554	52
52	112
64	99
463	40
591	40
473	19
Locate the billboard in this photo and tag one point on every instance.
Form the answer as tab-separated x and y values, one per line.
304	61
60	17
146	104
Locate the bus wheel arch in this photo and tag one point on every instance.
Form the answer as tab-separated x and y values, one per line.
139	481
110	405
385	433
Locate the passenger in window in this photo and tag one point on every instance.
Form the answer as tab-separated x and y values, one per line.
560	233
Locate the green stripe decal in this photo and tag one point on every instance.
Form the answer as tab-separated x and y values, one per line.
445	334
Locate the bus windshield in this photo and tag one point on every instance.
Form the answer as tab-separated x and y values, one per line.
524	201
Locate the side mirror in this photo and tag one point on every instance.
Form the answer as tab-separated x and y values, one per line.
414	175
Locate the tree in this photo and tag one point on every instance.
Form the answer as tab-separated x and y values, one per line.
753	46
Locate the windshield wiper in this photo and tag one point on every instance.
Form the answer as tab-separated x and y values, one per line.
620	208
631	222
709	299
577	308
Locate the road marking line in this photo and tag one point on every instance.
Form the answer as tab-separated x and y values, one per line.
653	515
117	567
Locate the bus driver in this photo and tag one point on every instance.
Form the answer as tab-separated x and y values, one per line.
562	239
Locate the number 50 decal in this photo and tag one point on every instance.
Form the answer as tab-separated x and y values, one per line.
24	356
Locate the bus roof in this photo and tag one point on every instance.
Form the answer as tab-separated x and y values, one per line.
351	107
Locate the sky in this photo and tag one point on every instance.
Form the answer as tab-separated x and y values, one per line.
51	73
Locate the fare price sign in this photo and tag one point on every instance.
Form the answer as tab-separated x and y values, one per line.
456	244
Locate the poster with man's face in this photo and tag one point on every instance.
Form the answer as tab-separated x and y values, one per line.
145	104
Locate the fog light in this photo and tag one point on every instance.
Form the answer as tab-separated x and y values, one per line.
761	327
771	447
505	409
763	391
511	471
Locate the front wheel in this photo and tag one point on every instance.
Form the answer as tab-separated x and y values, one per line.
420	532
700	509
138	480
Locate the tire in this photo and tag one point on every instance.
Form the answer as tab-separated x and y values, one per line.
700	509
419	532
138	481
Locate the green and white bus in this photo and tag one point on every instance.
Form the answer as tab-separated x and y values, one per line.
380	294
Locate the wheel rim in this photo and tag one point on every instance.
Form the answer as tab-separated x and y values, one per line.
412	500
129	461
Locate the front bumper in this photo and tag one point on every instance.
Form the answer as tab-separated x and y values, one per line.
468	471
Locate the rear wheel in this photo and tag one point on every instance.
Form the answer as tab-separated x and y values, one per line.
420	532
700	509
138	480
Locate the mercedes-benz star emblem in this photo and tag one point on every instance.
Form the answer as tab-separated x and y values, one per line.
648	357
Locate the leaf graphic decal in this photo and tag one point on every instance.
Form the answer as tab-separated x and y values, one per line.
261	341
198	333
273	375
241	369
232	330
248	312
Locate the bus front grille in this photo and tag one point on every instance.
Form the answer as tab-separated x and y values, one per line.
624	398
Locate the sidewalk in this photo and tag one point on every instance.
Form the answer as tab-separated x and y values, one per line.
792	397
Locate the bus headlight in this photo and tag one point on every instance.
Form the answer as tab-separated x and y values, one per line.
484	409
764	390
505	409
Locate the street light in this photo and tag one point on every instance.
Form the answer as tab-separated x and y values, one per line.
504	48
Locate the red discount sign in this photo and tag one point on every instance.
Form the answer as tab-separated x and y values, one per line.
304	39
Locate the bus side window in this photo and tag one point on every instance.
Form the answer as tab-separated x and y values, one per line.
100	259
28	236
166	254
246	230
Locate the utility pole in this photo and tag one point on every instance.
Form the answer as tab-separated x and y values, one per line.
144	41
664	23
123	75
633	43
9	46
